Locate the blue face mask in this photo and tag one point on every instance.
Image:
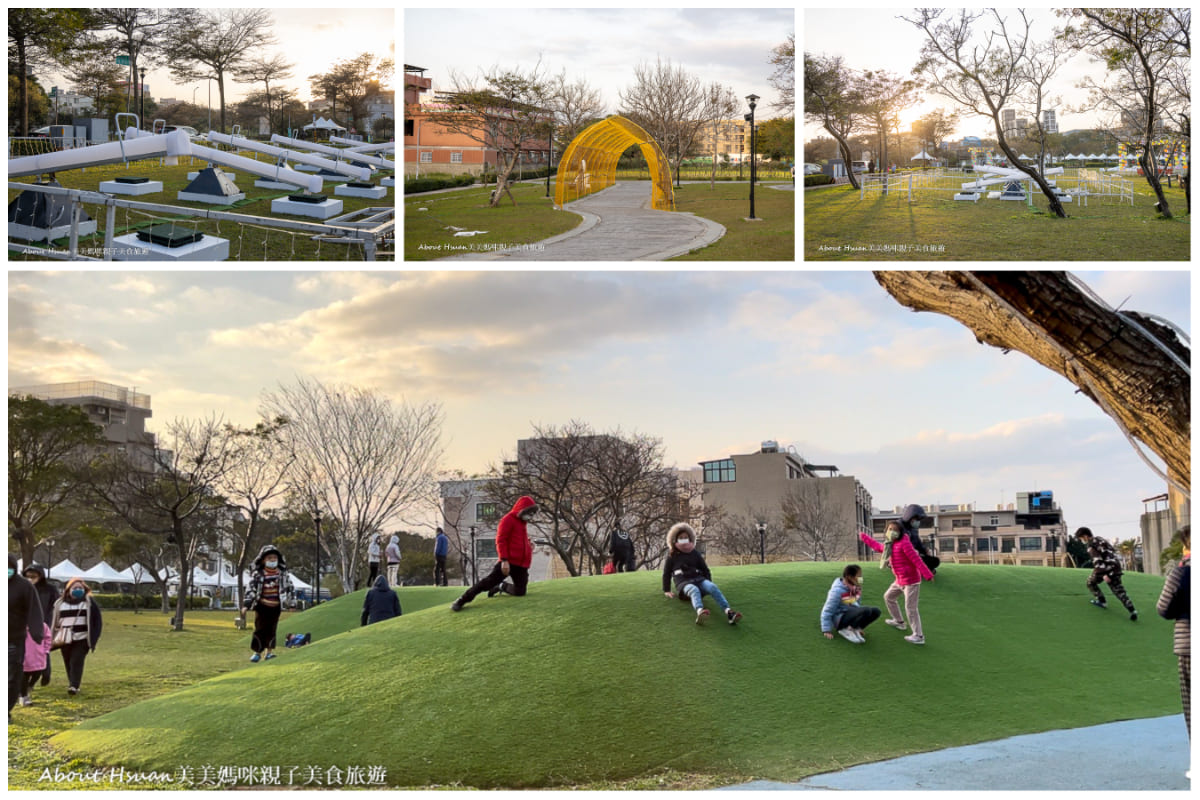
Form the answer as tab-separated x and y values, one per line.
11	572
78	593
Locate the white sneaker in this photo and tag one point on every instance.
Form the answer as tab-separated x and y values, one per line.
862	637
915	639
26	700
848	635
898	624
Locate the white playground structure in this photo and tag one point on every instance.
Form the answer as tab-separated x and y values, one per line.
1001	183
367	227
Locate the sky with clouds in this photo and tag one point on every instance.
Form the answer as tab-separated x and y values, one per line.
725	45
711	362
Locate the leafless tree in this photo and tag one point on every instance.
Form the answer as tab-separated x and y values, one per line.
177	499
735	534
832	98
818	530
508	110
1040	66
586	484
670	103
983	78
722	104
577	105
783	79
1144	47
266	71
254	480
363	460
457	495
215	44
1131	365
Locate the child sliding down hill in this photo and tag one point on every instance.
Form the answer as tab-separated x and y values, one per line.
842	612
692	577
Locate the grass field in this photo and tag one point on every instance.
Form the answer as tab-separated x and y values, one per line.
773	239
246	242
602	683
428	234
838	226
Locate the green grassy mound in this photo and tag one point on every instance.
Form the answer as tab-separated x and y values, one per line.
603	679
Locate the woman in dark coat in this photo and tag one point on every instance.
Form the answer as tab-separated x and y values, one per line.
380	603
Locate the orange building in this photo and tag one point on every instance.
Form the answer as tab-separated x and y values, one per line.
429	147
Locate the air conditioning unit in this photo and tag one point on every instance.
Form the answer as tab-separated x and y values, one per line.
770	446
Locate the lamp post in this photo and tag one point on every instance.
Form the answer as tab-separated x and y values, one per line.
753	99
762	543
142	89
316	515
549	157
474	572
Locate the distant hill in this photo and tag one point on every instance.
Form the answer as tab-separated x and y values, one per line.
603	679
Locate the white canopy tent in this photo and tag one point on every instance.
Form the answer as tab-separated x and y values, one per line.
136	573
325	125
103	572
63	571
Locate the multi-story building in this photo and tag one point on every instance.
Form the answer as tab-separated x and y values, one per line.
1008	120
469	519
727	140
120	412
378	106
756	484
1049	121
1164	514
1029	533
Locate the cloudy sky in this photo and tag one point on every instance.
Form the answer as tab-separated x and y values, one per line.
882	41
711	362
603	45
312	39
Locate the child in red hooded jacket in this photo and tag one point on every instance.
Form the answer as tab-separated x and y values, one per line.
909	569
516	554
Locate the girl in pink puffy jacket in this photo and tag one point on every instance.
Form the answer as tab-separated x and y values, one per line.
909	569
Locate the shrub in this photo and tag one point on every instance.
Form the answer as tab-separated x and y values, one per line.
153	602
431	183
817	180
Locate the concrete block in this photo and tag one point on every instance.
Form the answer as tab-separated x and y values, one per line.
130	248
323	210
117	187
30	233
372	192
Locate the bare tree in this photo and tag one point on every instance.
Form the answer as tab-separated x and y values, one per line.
577	105
808	513
1144	47
1134	367
832	98
140	33
507	110
176	501
256	478
783	79
1039	67
215	44
722	104
266	71
670	103
736	534
360	458
884	95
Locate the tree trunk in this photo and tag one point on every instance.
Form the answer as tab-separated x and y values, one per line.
23	83
1110	361
1039	179
502	184
221	97
24	538
1149	166
844	149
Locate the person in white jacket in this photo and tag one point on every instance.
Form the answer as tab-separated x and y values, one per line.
393	561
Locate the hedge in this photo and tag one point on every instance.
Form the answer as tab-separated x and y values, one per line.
151	602
817	180
435	182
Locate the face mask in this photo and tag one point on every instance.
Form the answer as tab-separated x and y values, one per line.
272	564
683	544
893	534
11	572
78	593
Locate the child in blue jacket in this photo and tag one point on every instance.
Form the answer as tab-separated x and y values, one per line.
842	612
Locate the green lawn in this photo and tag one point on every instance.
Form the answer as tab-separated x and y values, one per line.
246	243
429	234
602	683
773	239
838	226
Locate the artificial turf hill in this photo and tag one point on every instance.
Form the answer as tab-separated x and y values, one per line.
593	680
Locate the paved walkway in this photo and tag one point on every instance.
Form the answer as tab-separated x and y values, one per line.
1140	754
618	225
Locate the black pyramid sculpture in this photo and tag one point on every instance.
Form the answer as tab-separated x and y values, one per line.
212	181
41	210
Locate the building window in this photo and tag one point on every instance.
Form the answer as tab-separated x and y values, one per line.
720	471
456	158
410	127
983	544
960	523
1031	543
946	545
994	519
426	157
485	549
964	546
1007	544
486	512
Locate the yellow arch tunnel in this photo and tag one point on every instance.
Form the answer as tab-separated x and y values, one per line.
590	162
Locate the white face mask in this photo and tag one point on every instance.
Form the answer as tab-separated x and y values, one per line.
272	564
684	544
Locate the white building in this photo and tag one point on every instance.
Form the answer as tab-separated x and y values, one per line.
1049	121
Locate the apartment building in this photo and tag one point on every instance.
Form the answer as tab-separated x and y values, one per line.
469	519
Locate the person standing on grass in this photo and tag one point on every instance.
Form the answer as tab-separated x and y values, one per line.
1175	603
24	617
393	560
910	522
270	590
78	623
441	549
380	603
35	573
373	553
37	661
909	570
1106	568
842	612
516	554
620	547
689	570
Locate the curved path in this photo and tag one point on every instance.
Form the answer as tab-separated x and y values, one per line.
1136	754
618	225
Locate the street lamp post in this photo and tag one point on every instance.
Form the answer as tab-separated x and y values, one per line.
316	515
474	571
762	543
753	99
549	158
142	89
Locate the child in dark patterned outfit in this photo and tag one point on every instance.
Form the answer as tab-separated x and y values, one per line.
1106	568
269	591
